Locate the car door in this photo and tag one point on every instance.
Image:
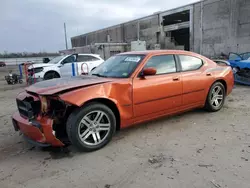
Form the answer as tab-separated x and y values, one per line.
194	79
158	92
87	63
94	62
66	66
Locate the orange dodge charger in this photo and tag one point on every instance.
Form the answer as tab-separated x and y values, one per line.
127	89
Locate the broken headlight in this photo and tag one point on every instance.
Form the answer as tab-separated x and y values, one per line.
37	70
235	70
44	104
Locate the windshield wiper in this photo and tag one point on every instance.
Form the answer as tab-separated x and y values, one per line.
99	75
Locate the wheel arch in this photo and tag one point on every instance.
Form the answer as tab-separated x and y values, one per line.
52	71
218	80
111	104
223	82
208	106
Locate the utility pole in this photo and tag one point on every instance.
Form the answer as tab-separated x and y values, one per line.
65	35
201	27
138	30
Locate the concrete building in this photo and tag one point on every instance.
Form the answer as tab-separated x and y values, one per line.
209	27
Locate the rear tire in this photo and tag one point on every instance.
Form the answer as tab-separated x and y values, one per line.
91	127
216	97
51	75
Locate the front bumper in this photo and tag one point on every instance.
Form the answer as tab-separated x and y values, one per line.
36	77
38	132
39	75
241	80
31	80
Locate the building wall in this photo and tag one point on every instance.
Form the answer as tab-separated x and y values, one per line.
221	26
125	32
218	26
148	29
197	27
243	29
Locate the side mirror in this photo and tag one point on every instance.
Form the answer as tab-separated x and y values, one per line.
148	72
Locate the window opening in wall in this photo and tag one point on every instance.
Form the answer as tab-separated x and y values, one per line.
181	38
177	30
114	52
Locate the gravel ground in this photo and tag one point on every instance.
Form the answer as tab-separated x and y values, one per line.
195	149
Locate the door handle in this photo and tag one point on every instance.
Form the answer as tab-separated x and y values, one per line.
176	78
209	74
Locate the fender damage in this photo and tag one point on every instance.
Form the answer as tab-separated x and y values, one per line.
44	107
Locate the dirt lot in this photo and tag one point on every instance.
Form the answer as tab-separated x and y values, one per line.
195	149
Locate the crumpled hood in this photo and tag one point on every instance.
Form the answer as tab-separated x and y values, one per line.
36	65
58	85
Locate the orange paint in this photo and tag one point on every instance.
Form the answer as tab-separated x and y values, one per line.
137	99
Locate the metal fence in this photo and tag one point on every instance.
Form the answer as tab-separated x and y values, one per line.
17	61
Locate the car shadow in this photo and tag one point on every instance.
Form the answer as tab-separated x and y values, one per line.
168	120
70	151
59	152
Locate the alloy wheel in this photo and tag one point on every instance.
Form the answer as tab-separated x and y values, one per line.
94	128
217	96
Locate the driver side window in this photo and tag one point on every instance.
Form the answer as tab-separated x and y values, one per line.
162	63
69	59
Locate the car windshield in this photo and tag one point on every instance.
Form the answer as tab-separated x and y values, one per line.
55	60
119	66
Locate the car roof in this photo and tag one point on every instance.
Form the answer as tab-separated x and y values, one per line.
154	52
89	54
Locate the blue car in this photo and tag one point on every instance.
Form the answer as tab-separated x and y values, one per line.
241	67
240	61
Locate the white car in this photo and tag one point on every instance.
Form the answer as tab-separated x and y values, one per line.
61	66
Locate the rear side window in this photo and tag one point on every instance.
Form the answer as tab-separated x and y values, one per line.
189	63
162	63
82	58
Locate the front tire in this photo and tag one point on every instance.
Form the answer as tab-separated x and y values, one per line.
216	97
92	127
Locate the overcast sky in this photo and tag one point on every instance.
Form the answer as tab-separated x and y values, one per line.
37	25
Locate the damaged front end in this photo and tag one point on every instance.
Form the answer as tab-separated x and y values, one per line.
242	76
42	119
